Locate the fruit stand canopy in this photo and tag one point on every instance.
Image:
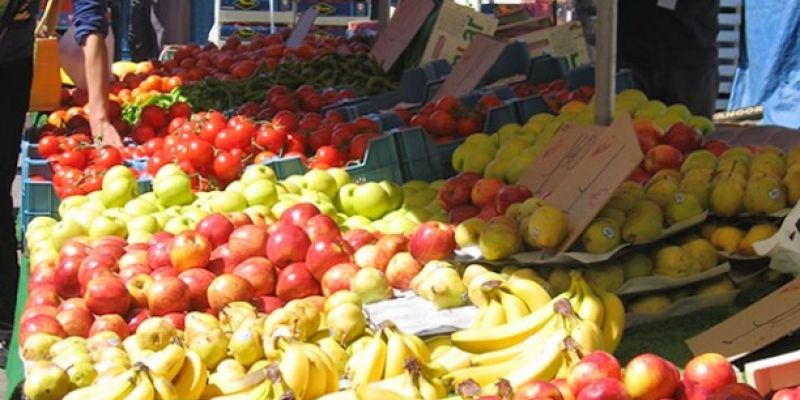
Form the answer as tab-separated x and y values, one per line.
769	71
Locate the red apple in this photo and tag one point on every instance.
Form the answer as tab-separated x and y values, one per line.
43	296
42	275
228	288
137	246
75	302
592	368
462	212
132	270
74	248
661	157
470	177
109	323
359	237
92	264
296	282
639	176
787	394
322	226
167	295
136	317
259	272
711	371
488	212
138	286
165	272
716	146
538	390
392	243
325	253
115	251
267	304
239	219
432	241
606	389
178	319
107	295
158	253
485	191
133	257
112	240
454	192
197	280
40	324
372	256
189	249
683	137
690	390
338	278
563	388
509	195
287	244
650	377
649	137
66	279
223	260
33	311
248	241
76	321
401	270
299	214
736	391
216	227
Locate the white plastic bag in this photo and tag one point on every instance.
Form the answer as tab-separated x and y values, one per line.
72	59
783	248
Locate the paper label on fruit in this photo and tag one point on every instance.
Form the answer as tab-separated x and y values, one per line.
653	283
783	248
683	306
415	315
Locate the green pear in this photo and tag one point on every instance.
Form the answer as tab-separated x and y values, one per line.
726	198
602	236
764	196
682	206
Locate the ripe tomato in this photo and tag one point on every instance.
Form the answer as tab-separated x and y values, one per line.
270	138
154	116
73	158
295	143
448	104
227	166
210	128
142	133
243	69
199	153
318	138
487	102
276	91
309	123
285	121
469	124
313	102
441	124
334	116
92	183
108	157
359	144
342	135
420	120
404	114
180	109
330	156
283	102
263	157
156	161
48	146
365	125
175	125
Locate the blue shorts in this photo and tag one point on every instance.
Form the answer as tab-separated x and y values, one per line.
89	16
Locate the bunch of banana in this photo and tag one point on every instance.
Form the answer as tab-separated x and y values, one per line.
541	344
521	283
298	320
411	383
384	355
230	382
306	370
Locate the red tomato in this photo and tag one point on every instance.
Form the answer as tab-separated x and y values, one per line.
73	158
244	129
142	133
330	156
263	157
404	114
283	102
92	183
276	91
285	121
420	120
270	138
313	102
334	116
153	145
309	123
366	125
487	102
342	135
318	138
469	124
448	103
227	166
358	147
199	153
210	128
441	124
48	146
154	116
156	161
180	109
108	157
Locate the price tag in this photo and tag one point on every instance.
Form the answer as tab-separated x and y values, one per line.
409	16
479	56
581	167
302	28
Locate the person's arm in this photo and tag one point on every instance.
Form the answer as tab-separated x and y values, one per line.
91	27
47	25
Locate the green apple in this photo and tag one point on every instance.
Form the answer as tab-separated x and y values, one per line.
679	110
149	196
178	224
38	235
139	237
168	170
107	226
162	218
481	140
358	222
261	192
395	194
320	181
507	132
140	206
289	187
70	203
381	226
118	213
83	216
666	120
497	168
259	210
235	186
477	161
703	124
278	208
417	215
633	95
650	109
228	202
435	185
340	175
42	222
194	213
143	223
291	197
394	214
173	190
117	173
173	211
421	198
254	172
401	225
118	192
370	200
415	185
297	180
65	230
344	199
340	217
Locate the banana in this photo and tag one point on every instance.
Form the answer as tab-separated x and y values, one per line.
235	381
436	344
416	345
537	339
482	340
369	392
397	353
475	291
332	378
143	390
613	321
165	390
493	315
530	292
432	389
453	359
542	364
318	376
295	369
370	363
343	395
402	384
83	393
586	334
513	307
483	375
113	388
191	380
591	306
261	391
167	362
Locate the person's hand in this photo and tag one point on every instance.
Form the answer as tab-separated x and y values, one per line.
103	129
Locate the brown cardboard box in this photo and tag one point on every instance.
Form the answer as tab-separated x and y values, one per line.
455	28
565	40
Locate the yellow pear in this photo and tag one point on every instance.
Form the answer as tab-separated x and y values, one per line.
602	236
546	228
726	238
726	198
682	206
608	276
637	265
498	241
468	232
662	190
699	159
703	252
791	182
756	233
651	304
718	287
764	196
675	262
793	157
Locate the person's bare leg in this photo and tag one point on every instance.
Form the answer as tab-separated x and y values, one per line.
97	81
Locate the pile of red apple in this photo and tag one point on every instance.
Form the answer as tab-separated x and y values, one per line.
599	376
555	93
468	195
447	118
667	150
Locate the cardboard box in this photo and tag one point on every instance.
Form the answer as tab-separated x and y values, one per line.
455	28
565	40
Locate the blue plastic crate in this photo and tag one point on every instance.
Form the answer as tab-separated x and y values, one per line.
419	156
545	69
244	5
242	31
336	8
584	76
514	60
529	106
498	116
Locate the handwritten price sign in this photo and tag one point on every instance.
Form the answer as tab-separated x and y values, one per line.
581	167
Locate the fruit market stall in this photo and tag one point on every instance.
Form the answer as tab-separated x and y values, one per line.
308	222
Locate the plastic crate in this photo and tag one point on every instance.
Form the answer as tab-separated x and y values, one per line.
415	82
499	116
546	69
381	162
336	8
514	60
529	106
584	76
419	156
244	5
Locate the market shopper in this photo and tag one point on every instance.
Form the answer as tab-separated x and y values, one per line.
671	47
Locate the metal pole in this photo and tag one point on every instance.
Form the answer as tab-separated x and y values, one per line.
383	14
606	62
